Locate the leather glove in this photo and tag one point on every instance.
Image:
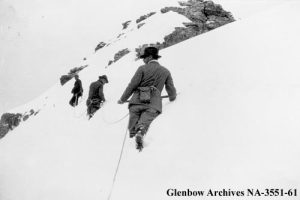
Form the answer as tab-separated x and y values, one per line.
172	98
120	101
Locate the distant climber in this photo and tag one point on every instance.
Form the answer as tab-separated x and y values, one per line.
77	91
96	95
146	87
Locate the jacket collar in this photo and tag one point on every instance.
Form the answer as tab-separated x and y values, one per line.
152	61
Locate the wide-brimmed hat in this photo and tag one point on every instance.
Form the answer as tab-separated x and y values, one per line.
150	51
104	77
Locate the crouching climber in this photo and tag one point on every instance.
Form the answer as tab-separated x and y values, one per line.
96	95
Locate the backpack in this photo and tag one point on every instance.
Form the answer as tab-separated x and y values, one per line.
145	94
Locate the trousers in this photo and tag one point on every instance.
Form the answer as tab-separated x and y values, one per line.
140	116
74	100
93	105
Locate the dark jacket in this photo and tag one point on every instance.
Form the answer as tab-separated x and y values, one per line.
77	89
151	74
96	90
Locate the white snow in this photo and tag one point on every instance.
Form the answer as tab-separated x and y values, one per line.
244	9
50	37
235	123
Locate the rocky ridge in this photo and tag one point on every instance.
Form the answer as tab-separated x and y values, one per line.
204	16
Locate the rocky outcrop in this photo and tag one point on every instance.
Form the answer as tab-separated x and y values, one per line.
118	56
71	74
180	34
65	78
174	9
120	35
140	25
203	15
3	130
110	62
9	121
142	18
26	116
126	24
215	9
100	45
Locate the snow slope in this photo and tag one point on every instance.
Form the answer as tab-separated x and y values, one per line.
62	32
233	126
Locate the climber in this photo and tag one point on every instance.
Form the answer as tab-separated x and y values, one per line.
146	87
77	91
96	95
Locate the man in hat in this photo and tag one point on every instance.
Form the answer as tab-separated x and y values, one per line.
146	87
77	91
96	95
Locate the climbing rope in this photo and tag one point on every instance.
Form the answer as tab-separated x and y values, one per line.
118	165
114	122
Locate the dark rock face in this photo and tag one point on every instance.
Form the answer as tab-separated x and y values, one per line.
65	78
110	62
202	13
144	17
120	35
126	24
100	45
174	9
119	55
179	34
195	13
140	25
75	70
71	74
25	117
9	121
3	130
214	9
